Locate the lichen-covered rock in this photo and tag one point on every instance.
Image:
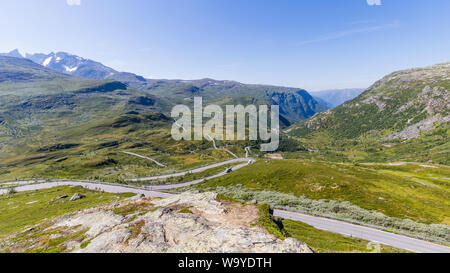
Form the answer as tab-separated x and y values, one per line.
159	226
77	196
205	202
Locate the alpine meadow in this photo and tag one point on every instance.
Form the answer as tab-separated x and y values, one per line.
329	134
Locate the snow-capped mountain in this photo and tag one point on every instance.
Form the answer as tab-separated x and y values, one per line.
15	53
81	67
73	65
295	104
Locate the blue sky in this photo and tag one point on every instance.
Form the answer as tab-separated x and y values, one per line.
314	44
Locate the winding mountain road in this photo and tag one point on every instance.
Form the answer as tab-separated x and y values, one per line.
340	227
144	157
366	233
198	170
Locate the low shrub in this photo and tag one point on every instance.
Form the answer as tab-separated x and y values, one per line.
344	210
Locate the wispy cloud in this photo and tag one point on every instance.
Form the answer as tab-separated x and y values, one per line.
346	33
73	2
363	22
374	2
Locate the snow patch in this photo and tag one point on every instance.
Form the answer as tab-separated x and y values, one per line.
47	61
73	69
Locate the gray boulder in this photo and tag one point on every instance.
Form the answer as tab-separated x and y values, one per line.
77	196
59	198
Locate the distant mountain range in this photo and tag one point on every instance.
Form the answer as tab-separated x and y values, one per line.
402	116
295	104
39	105
81	67
336	97
15	53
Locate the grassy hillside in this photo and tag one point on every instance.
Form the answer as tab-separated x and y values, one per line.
36	209
326	242
21	210
404	191
404	116
295	104
53	125
413	198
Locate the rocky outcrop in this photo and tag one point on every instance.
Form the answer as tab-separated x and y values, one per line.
415	130
185	223
402	105
76	196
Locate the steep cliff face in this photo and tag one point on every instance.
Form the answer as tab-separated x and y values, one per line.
193	223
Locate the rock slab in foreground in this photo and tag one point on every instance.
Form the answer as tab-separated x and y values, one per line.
186	223
77	196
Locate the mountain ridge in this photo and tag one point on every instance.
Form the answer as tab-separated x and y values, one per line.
296	104
336	97
406	108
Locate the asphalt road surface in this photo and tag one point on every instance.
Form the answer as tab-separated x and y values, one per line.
176	186
198	170
145	157
366	233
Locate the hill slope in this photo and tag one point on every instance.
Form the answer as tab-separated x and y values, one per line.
14	53
405	107
194	223
296	104
81	67
48	117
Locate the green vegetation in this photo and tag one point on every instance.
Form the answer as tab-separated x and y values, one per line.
53	125
11	190
136	229
343	210
431	147
327	242
412	198
187	177
49	245
421	193
85	244
132	208
186	210
367	128
320	241
221	197
24	209
295	104
126	210
266	220
76	128
41	239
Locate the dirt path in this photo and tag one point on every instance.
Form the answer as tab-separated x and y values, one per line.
145	157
